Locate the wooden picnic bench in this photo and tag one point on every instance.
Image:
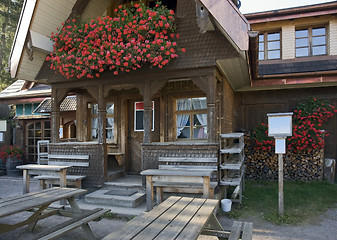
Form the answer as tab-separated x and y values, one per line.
72	161
181	218
188	175
41	200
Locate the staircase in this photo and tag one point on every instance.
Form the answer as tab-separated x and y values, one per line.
125	192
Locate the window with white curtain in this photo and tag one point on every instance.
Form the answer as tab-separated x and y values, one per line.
110	120
191	116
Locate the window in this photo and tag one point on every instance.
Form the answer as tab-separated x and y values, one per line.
310	42
270	46
191	118
139	113
110	121
26	109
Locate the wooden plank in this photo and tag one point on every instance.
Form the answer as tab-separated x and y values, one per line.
247	231
194	160
80	157
216	233
187	167
151	231
71	164
182	184
186	172
172	230
235	231
136	225
69	177
200	218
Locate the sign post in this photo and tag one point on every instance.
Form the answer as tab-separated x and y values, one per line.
280	127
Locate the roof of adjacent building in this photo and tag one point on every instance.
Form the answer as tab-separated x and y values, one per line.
68	104
20	89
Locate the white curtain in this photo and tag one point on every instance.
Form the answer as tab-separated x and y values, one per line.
94	128
182	120
110	121
201	103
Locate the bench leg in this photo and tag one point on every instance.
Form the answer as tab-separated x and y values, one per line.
159	195
43	184
149	193
206	187
78	183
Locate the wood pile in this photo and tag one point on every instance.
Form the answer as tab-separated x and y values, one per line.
263	165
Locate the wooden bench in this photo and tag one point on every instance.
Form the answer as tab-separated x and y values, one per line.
80	220
64	160
240	230
181	183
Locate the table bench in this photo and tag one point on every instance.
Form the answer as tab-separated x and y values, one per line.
187	175
181	218
65	160
41	200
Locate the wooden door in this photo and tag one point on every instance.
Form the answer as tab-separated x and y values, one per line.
136	133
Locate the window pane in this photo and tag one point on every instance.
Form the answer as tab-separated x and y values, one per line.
273	36
19	109
110	134
94	109
183	123
273	45
301	33
28	109
184	104
261	55
109	122
302	42
47	124
47	133
261	46
94	128
110	108
199	103
199	132
200	119
38	125
185	133
320	50
318	40
318	31
302	52
274	54
139	120
261	38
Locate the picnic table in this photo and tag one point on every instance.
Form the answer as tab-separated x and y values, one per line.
41	200
180	218
35	169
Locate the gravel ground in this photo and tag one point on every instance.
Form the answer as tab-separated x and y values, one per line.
324	227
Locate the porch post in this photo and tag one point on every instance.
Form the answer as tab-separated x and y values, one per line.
101	115
211	109
55	117
147	112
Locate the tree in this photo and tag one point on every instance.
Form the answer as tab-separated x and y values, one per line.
9	17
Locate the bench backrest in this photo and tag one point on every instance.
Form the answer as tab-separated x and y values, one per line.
65	160
178	163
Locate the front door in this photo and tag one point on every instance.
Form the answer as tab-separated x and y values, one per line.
136	133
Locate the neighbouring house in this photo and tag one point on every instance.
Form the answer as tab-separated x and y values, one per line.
296	61
30	103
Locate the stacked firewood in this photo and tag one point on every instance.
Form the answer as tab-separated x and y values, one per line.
263	165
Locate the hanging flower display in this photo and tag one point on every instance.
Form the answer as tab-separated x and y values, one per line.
122	43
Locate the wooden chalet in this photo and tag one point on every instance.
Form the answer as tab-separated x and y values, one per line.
128	121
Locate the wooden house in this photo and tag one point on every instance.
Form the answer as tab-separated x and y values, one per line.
126	122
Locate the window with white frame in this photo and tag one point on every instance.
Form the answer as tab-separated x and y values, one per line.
269	45
139	114
191	118
310	41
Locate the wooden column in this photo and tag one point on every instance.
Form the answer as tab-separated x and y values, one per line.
147	112
55	117
211	109
101	115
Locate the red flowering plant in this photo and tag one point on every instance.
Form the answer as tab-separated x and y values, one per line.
132	37
11	151
308	119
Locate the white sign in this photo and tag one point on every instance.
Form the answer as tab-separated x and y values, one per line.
3	125
280	124
1	137
280	145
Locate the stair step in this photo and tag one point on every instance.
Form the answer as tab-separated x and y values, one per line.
130	198
115	174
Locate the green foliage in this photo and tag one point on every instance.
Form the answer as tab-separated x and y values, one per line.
302	201
9	17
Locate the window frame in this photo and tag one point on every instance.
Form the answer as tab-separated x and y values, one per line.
310	40
135	117
191	113
265	45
